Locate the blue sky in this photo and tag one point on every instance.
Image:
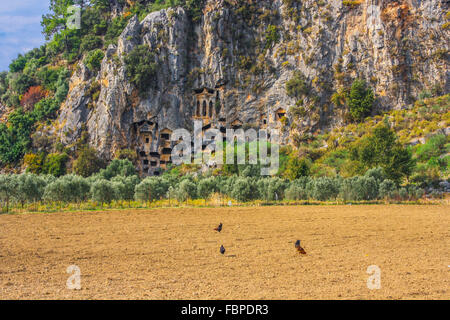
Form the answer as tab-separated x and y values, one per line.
20	28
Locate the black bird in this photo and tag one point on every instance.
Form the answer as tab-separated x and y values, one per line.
219	228
222	250
299	247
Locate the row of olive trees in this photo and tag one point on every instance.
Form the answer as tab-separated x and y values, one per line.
372	186
119	181
116	182
31	188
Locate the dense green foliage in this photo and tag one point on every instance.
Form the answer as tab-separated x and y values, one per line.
141	68
118	183
383	149
297	86
151	188
118	167
15	136
360	100
103	191
272	36
54	164
93	60
297	168
87	162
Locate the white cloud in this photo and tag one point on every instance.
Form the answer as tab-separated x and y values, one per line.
20	27
23	6
17	23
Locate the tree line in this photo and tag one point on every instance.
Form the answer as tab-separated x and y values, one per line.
120	182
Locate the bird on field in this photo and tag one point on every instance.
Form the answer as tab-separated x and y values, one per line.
219	228
299	247
222	250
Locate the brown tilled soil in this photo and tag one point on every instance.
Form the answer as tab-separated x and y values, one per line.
174	253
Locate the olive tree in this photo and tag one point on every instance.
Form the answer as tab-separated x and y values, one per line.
387	189
125	187
8	188
262	186
180	194
30	188
69	188
243	189
205	187
103	191
188	187
58	191
117	167
324	189
276	188
151	188
297	189
359	188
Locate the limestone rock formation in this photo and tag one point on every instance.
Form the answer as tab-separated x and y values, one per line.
230	69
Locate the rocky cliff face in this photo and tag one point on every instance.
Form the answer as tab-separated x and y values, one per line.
237	59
